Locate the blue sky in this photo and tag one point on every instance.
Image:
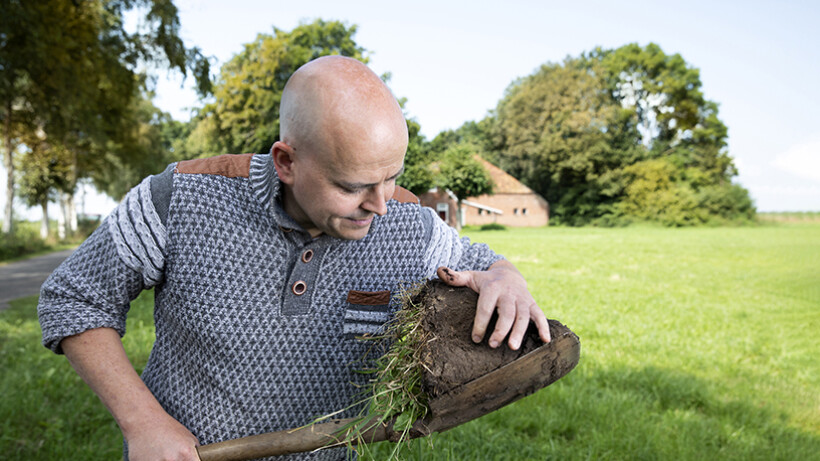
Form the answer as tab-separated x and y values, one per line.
452	60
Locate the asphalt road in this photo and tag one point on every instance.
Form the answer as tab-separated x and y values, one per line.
23	278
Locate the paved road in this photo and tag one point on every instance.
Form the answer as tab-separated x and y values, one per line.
24	278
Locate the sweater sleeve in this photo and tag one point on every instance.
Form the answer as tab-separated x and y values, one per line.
445	248
94	287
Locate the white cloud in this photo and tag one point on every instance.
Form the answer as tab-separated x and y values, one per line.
748	169
802	160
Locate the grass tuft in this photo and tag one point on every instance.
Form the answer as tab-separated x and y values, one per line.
394	396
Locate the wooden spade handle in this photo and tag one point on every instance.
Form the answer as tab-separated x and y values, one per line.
299	440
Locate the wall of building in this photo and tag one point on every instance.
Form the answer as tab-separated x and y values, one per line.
434	198
519	210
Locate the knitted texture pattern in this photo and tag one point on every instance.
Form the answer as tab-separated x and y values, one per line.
256	322
139	234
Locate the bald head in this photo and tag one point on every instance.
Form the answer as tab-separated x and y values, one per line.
342	147
335	104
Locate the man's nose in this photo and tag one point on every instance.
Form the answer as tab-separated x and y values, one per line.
376	200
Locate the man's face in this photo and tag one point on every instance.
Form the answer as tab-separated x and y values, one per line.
339	194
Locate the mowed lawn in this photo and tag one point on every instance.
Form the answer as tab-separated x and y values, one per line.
696	344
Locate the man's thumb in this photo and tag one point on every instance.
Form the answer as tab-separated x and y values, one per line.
453	278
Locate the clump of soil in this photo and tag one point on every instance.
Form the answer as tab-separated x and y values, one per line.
450	357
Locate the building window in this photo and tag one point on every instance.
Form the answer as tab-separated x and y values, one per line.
480	212
515	211
443	210
524	211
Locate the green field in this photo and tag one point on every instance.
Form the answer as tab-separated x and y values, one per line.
696	344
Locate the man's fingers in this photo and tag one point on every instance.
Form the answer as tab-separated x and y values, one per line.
484	310
522	321
542	323
506	317
453	278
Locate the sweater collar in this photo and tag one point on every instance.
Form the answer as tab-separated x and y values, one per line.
268	190
264	180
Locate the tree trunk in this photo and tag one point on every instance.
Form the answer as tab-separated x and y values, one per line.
72	214
62	218
8	150
67	197
44	223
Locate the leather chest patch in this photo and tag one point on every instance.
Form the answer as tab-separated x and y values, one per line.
368	298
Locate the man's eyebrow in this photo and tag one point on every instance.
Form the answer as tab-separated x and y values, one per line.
357	185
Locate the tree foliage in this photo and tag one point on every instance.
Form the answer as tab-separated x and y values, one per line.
244	116
149	141
618	135
418	177
560	132
69	73
463	175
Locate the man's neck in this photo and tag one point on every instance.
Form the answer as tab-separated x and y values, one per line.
293	210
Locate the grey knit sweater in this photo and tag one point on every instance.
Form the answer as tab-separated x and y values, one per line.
256	322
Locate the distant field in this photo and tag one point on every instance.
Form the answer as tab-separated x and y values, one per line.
790	216
697	344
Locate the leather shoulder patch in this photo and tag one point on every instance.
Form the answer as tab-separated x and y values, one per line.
403	195
228	165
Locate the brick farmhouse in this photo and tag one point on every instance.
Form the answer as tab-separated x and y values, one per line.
511	204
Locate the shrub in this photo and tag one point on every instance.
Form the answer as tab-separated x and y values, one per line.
493	226
729	201
23	240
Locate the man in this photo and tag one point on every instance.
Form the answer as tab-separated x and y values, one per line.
266	268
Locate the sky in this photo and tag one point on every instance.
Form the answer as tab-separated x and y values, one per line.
452	60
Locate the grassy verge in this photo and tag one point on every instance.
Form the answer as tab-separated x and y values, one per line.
47	412
696	344
25	241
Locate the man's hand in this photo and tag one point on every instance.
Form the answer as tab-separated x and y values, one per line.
151	433
163	438
503	288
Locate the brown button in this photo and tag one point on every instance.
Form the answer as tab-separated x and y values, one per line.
307	256
299	288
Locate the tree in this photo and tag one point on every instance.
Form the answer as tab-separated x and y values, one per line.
68	70
145	145
478	134
560	132
245	114
674	117
581	132
678	124
463	175
42	172
418	177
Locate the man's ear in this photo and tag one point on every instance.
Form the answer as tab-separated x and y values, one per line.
283	157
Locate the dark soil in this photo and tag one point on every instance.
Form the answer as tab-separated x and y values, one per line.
450	356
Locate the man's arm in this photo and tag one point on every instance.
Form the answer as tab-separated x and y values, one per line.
99	358
503	288
83	307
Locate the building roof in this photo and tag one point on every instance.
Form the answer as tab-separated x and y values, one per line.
504	183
